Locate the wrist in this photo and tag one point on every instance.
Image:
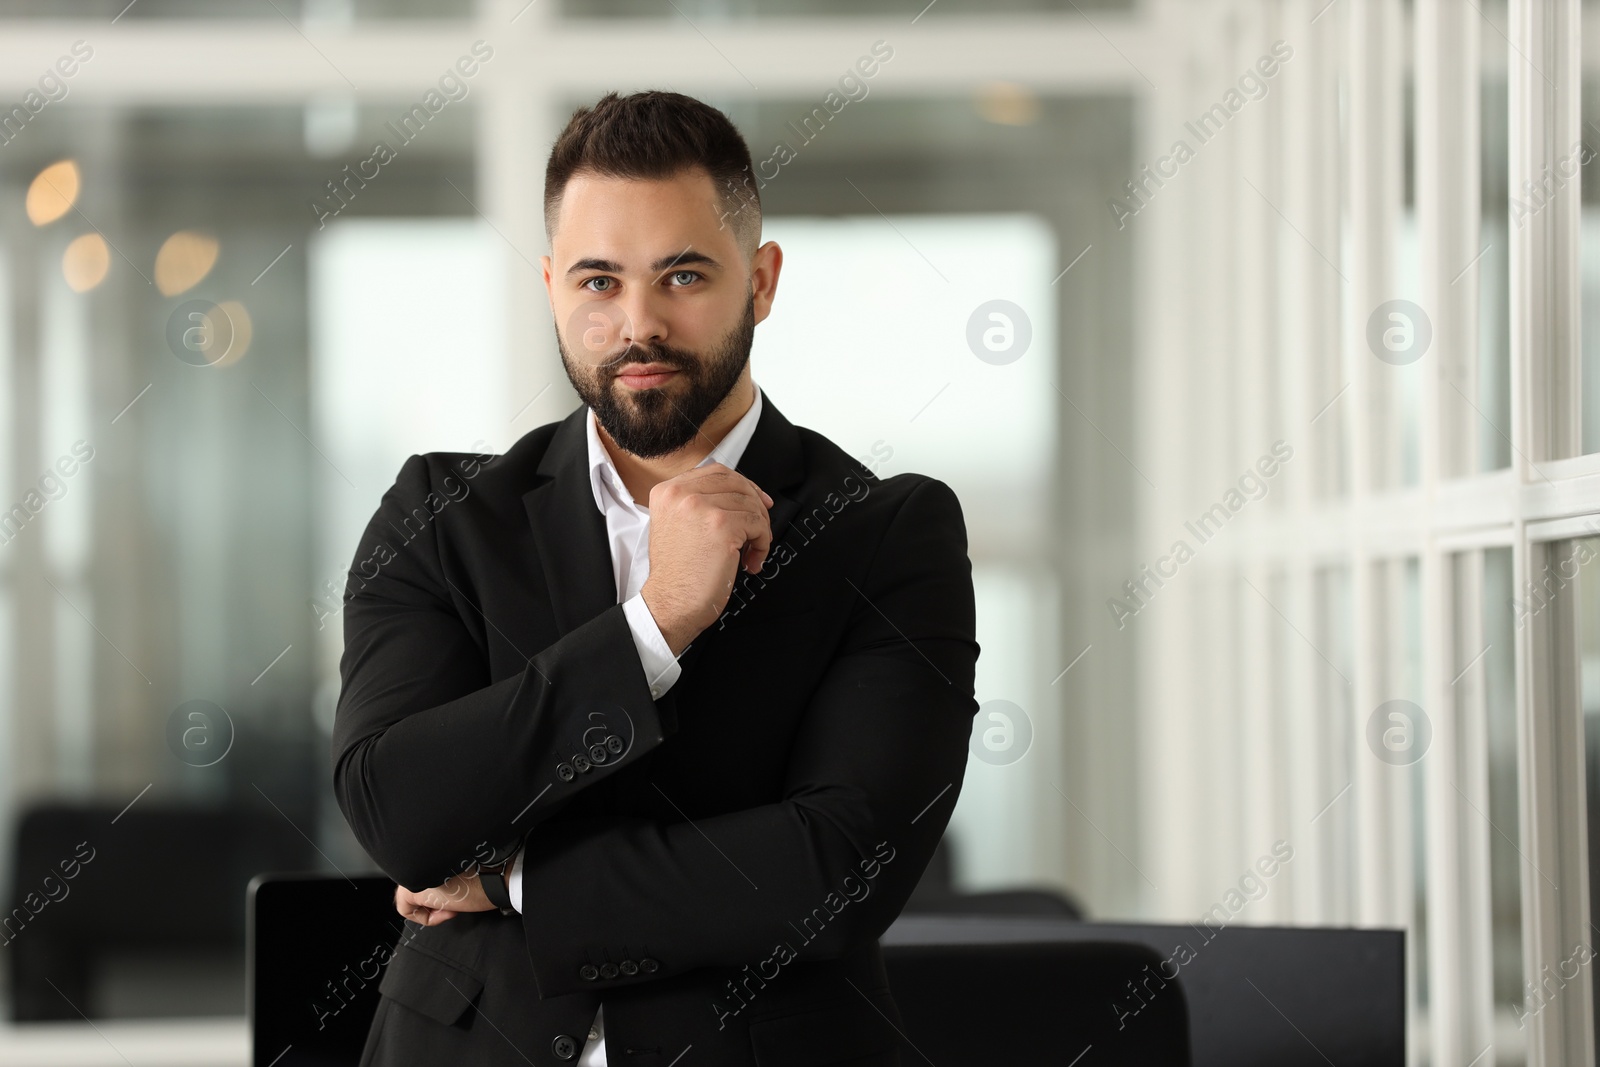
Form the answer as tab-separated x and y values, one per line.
493	881
674	636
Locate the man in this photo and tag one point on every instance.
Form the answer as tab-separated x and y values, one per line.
656	719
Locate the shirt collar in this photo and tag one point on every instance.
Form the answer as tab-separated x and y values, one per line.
727	452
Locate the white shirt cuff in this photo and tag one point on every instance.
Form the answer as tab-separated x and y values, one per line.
660	666
514	880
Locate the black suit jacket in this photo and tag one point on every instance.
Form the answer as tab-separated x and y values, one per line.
715	866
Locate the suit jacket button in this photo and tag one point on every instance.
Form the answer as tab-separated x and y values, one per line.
608	970
565	772
649	966
588	972
598	754
565	1046
581	763
629	968
614	744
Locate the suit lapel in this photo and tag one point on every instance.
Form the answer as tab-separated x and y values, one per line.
772	460
570	531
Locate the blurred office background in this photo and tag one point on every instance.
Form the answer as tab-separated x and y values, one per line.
1336	345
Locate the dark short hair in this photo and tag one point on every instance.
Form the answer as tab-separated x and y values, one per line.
654	135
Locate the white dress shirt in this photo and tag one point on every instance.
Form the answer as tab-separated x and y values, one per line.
628	537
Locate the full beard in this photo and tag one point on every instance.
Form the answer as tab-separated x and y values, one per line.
652	422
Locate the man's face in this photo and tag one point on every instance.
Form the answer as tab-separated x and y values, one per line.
644	276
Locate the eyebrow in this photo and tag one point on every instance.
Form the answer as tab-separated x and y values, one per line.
688	255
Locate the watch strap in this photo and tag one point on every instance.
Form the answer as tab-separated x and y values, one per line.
493	880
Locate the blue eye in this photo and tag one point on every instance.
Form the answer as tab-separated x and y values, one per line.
595	279
691	273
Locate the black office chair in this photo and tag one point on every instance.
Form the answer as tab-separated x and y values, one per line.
1088	1004
317	948
1252	999
163	879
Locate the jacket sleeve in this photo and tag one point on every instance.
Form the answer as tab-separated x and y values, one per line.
434	766
873	775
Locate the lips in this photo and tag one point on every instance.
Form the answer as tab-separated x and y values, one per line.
646	375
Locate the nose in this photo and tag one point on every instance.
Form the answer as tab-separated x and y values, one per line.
642	324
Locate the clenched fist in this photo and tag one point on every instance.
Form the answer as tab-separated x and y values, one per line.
704	525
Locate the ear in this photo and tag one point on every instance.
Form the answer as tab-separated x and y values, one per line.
764	270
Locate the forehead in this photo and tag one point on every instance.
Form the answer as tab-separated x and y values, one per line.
600	214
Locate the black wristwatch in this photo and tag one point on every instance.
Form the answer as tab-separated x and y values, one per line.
493	880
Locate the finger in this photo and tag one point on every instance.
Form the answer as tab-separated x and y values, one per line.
440	915
744	501
755	550
758	542
749	537
715	477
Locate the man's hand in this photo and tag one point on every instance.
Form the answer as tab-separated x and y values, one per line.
704	525
462	893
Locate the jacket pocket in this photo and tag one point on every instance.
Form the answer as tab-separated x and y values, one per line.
838	1030
438	988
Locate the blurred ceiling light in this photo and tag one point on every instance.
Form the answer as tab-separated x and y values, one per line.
85	262
231	339
53	192
325	14
330	124
185	258
1008	104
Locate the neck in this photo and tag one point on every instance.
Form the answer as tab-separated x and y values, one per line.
640	474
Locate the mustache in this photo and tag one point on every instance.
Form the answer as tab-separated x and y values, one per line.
641	357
